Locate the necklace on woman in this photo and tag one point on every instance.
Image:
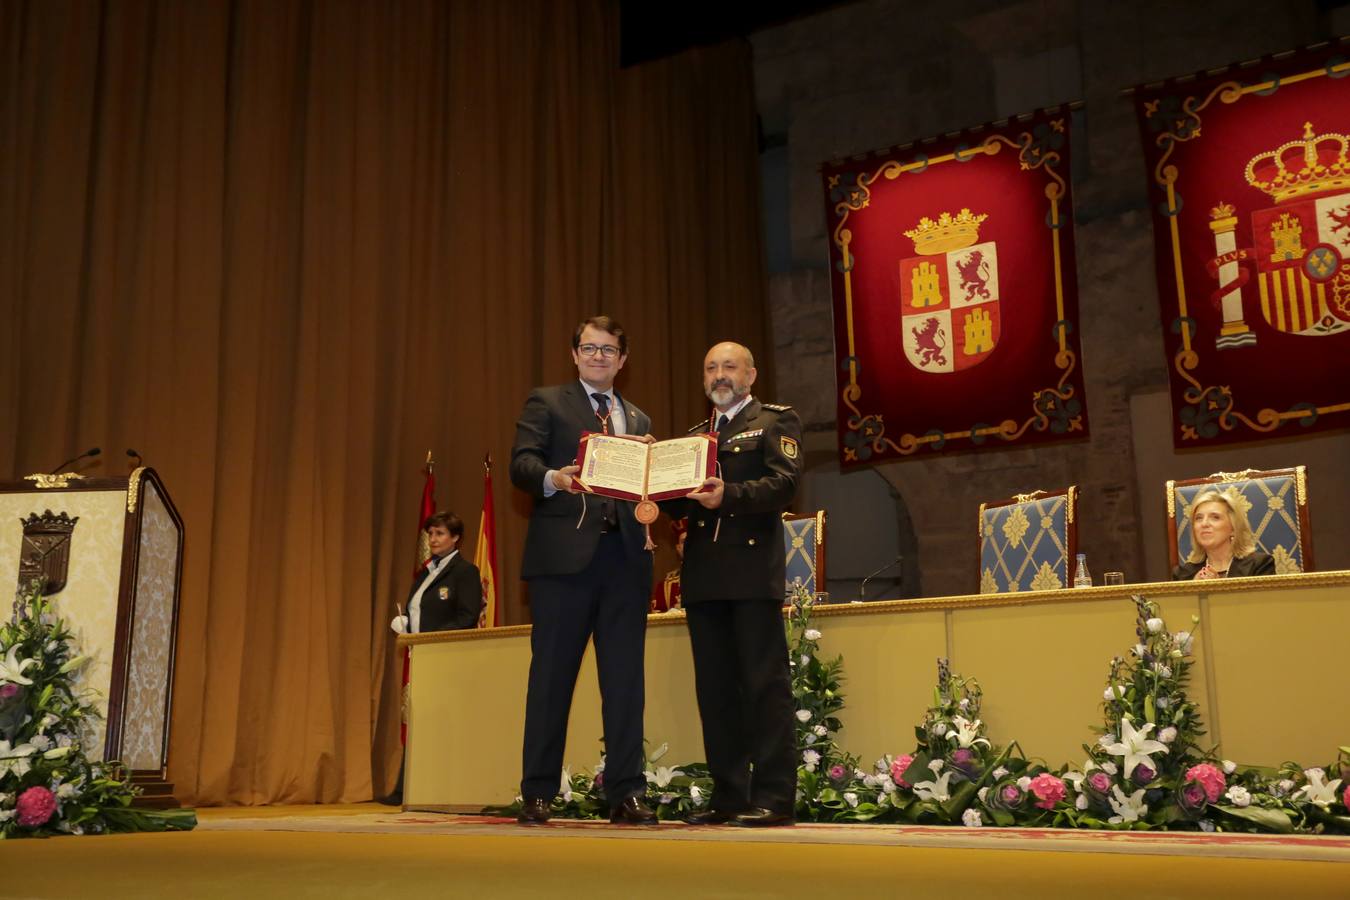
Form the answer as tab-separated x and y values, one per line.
1210	572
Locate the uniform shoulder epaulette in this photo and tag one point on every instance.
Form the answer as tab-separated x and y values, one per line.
701	426
777	407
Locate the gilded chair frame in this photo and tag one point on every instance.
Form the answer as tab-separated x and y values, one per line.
1070	494
1299	476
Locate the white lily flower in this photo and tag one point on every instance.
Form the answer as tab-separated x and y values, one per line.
72	664
11	667
1109	768
851	798
1317	791
565	785
659	752
1128	809
662	776
1135	746
966	732
15	759
934	790
696	794
56	752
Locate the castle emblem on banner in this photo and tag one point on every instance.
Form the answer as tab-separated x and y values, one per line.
949	294
1300	246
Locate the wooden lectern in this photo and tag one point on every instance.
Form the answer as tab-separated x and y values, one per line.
110	551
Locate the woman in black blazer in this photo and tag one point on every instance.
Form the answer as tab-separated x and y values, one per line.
1222	543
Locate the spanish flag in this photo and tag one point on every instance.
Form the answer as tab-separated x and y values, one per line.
485	555
423	554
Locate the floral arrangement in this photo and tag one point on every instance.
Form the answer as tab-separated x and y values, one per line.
47	783
1147	770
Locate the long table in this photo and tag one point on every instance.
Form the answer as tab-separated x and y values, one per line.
1268	676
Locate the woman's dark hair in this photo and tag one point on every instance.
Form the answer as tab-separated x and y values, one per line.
447	520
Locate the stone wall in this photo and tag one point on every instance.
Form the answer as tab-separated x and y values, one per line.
873	74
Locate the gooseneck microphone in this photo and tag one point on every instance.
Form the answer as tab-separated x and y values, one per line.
863	587
92	451
133	453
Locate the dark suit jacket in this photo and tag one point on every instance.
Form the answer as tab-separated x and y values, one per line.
1255	563
547	434
453	600
760	456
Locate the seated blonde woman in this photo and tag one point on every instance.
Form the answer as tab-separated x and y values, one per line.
1223	545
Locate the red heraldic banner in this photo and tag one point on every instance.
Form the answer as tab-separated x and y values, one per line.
1249	174
955	302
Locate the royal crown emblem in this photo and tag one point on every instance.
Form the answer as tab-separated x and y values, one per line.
1299	247
949	305
45	553
947	233
1314	164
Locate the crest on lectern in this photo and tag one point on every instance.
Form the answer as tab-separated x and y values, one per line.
45	555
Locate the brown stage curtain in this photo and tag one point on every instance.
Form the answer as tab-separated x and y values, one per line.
283	248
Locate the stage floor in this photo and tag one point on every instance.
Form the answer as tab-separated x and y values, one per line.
364	850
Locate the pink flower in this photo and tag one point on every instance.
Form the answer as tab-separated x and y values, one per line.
898	767
1210	778
837	772
1048	789
1345	798
8	691
35	806
1099	782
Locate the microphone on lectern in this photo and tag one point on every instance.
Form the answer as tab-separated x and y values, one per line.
863	587
139	460
92	451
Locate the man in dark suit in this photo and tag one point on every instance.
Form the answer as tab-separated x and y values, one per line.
446	594
733	583
589	573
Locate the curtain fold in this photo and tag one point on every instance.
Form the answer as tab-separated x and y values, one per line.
285	248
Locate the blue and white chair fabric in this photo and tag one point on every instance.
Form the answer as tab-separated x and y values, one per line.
1276	504
804	544
1028	542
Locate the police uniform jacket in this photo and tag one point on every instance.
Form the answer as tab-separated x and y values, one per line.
454	600
736	551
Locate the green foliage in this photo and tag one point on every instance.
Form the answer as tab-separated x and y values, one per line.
43	720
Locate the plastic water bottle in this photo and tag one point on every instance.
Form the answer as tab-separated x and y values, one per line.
1081	576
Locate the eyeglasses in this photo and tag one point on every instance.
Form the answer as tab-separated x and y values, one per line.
608	351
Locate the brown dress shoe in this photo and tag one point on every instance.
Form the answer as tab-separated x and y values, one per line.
763	818
709	817
535	812
632	811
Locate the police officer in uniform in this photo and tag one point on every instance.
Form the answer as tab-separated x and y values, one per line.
732	582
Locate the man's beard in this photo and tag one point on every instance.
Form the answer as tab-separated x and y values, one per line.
723	395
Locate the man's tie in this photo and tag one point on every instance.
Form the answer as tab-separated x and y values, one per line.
608	511
722	422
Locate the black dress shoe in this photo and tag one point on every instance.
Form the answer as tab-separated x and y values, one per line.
535	812
709	817
763	818
391	800
632	811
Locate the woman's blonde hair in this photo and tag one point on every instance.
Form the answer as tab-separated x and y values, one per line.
1244	542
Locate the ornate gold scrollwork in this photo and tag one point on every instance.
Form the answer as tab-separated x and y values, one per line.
1073	502
1301	485
45	482
1171	499
820	527
1027	498
134	489
1229	477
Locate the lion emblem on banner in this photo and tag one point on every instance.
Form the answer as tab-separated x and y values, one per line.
949	303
